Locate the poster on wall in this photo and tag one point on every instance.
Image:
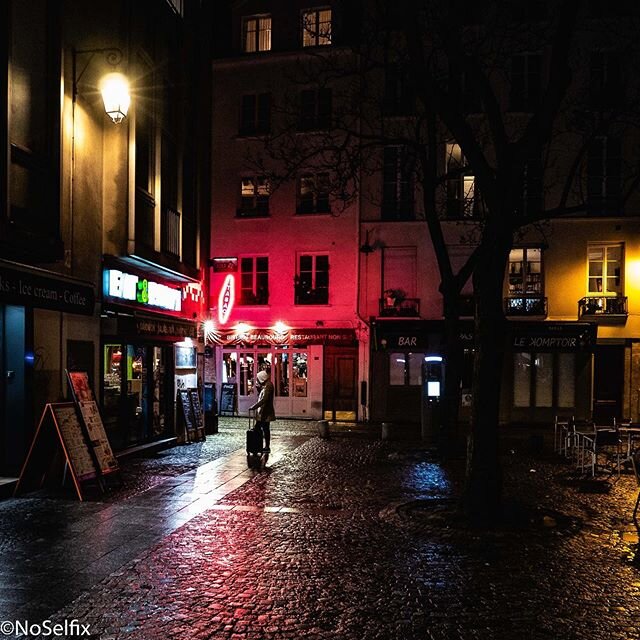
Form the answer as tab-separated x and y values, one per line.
88	407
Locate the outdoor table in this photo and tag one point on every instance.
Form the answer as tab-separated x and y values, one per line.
631	432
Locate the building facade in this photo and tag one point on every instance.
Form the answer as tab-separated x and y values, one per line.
346	289
284	255
99	231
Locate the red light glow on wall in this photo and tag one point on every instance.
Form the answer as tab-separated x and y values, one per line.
226	299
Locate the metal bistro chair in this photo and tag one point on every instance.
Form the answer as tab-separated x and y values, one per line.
635	463
579	441
608	443
561	426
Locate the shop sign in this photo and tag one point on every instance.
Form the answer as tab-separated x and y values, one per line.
344	337
132	288
38	290
554	336
165	328
226	299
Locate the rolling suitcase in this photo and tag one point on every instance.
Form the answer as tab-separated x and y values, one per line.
256	457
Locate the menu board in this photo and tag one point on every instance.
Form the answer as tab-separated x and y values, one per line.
196	407
186	413
59	429
83	395
228	393
74	441
107	462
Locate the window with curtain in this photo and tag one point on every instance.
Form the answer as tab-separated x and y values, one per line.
256	33
316	27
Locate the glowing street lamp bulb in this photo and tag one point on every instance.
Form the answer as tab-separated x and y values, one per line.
242	327
280	327
208	327
114	88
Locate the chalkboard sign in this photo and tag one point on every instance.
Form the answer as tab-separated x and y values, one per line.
185	414
59	428
228	397
196	408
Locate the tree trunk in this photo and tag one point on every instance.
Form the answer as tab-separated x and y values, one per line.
483	490
453	372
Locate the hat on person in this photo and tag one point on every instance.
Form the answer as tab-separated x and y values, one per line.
262	377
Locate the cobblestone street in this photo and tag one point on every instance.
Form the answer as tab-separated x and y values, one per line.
351	537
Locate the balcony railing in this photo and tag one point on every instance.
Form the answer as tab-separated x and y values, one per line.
525	305
603	307
407	308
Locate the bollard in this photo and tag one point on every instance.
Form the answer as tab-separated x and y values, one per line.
323	428
387	430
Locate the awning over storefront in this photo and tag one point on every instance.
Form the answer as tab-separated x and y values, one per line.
33	287
291	337
523	336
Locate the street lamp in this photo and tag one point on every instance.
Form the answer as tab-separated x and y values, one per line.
114	86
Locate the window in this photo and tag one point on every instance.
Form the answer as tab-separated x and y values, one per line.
398	184
399	97
525	271
605	269
254	197
605	82
315	110
254	280
532	198
462	199
255	114
604	177
313	193
526	77
312	280
256	34
524	280
316	27
405	369
544	380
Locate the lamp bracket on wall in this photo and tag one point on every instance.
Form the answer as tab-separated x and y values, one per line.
112	55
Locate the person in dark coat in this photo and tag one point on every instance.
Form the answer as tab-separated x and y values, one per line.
264	406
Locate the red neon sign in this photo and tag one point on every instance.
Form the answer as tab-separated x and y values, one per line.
226	299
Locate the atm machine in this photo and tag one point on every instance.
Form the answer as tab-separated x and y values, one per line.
432	390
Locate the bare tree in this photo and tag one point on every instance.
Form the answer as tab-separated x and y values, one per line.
504	94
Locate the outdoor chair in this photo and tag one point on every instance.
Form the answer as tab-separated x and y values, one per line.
635	463
603	443
561	427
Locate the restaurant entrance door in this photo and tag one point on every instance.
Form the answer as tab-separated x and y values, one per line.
339	397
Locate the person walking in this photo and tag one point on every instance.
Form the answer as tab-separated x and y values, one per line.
264	406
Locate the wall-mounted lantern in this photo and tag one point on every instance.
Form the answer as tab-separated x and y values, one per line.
114	86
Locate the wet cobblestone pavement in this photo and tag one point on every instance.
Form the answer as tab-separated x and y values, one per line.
350	537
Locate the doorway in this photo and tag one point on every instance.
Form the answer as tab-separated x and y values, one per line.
339	392
608	383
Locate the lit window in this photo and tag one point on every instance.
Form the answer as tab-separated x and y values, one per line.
254	196
462	196
256	34
316	27
605	269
